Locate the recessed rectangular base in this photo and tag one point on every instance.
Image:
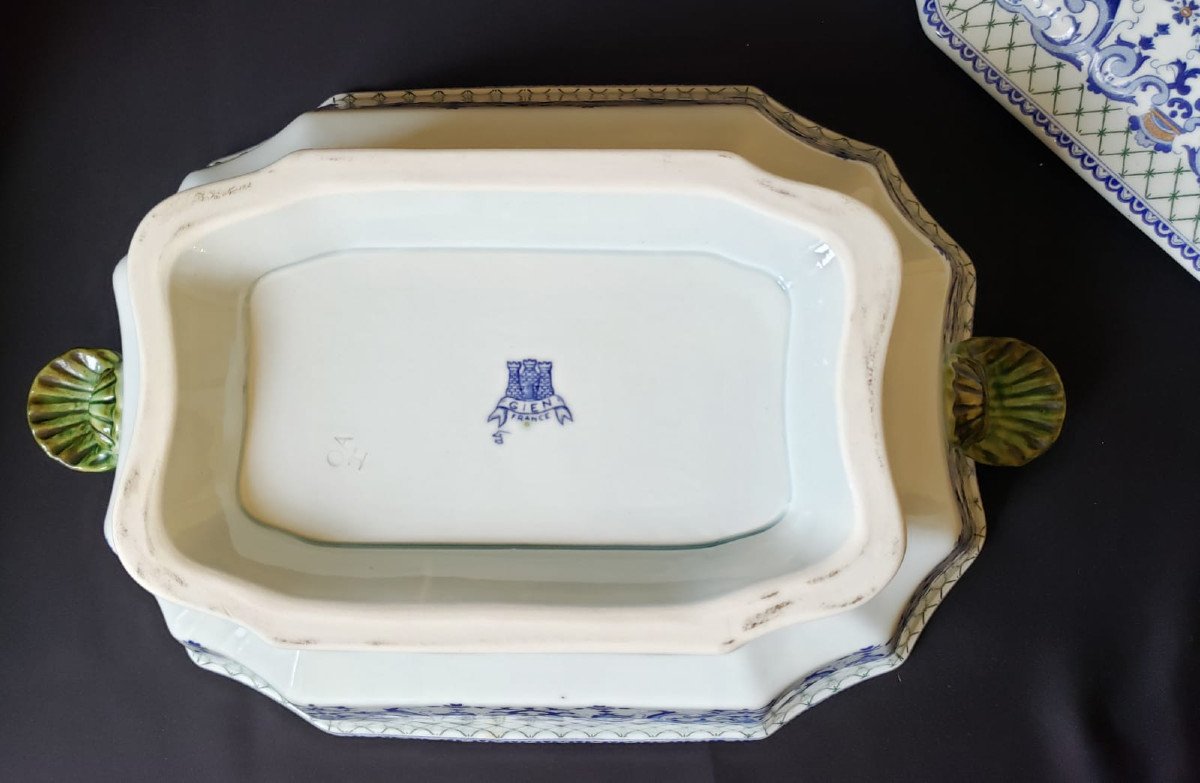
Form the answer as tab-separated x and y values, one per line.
370	363
516	398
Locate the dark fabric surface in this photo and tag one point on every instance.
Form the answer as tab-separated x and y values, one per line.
1068	652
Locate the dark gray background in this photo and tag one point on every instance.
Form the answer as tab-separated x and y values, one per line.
1069	651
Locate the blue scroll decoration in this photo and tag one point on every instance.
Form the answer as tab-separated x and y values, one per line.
1145	55
529	397
1092	168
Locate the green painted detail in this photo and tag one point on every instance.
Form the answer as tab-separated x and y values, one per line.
1099	122
1004	400
74	409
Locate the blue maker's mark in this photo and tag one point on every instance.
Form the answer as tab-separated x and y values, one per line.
529	396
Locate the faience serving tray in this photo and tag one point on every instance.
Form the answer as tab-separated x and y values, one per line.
651	373
1107	84
392	689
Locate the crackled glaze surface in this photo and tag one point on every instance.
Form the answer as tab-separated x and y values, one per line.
1110	85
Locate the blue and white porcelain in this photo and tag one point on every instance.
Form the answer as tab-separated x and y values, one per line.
319	344
528	397
571	664
1110	85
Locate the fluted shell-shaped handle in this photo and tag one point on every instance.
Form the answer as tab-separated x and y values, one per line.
74	409
1004	400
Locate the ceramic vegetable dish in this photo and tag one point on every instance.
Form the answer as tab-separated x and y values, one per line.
530	421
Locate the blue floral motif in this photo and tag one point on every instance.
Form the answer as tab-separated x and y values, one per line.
1185	12
1148	72
1060	137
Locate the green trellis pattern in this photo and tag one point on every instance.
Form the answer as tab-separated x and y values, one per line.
1162	179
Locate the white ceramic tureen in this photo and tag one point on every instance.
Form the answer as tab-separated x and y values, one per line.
531	421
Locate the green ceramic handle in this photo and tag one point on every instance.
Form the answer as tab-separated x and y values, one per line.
1004	404
74	409
1004	400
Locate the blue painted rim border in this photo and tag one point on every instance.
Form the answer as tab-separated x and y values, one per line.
1057	136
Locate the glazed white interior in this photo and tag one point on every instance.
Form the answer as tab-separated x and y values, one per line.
316	346
371	375
789	282
757	672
